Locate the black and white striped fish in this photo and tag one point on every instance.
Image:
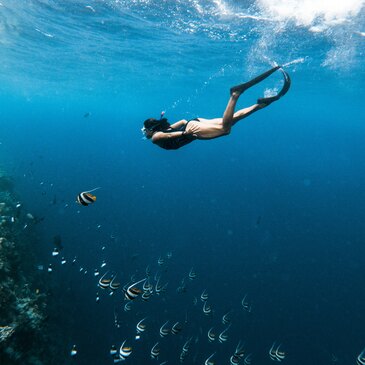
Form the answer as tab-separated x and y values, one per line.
124	351
104	283
155	351
132	292
223	337
208	361
176	328
211	335
141	327
275	353
204	296
164	331
85	198
360	360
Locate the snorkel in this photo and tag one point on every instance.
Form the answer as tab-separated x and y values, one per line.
154	125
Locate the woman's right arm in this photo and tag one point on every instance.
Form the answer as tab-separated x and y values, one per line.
178	124
159	136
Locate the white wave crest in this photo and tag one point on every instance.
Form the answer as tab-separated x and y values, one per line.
318	14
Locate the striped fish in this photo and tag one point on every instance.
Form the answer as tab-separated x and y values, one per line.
85	198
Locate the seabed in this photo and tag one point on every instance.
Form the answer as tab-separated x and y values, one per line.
22	303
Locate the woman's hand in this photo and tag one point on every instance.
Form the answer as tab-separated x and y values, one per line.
192	129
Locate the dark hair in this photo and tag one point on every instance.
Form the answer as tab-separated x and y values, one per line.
156	125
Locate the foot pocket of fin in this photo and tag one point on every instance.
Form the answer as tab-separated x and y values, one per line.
283	91
242	87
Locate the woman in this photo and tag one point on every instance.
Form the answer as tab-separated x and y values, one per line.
179	134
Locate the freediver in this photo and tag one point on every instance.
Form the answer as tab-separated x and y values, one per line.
173	136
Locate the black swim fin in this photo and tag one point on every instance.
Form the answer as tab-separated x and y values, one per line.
283	91
242	87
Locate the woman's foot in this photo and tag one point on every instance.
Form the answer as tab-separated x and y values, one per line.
282	92
239	89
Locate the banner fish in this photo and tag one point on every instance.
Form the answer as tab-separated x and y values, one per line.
85	198
275	353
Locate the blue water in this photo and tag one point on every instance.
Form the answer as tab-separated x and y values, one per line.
275	210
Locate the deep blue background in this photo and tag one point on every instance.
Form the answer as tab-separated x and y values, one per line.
274	211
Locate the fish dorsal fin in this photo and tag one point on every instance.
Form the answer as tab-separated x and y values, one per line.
89	191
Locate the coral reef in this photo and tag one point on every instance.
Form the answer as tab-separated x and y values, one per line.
22	306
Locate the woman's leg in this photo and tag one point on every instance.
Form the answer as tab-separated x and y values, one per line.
230	118
227	120
243	113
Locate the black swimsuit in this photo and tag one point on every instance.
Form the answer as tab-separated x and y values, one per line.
176	143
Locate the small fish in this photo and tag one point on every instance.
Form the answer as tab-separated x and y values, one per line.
223	337
160	288
192	274
147	286
50	268
234	360
103	264
74	260
169	255
73	351
148	271
113	285
128	306
187	345
97	299
155	351
146	295
55	252
208	361
160	261
85	198
176	328
132	292
96	272
63	261
124	350
113	350
277	355
360	360
163	330
87	114
226	319
207	310
104	283
204	296
211	335
240	350
141	327
246	305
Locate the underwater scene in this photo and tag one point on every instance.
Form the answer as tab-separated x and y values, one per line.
144	219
